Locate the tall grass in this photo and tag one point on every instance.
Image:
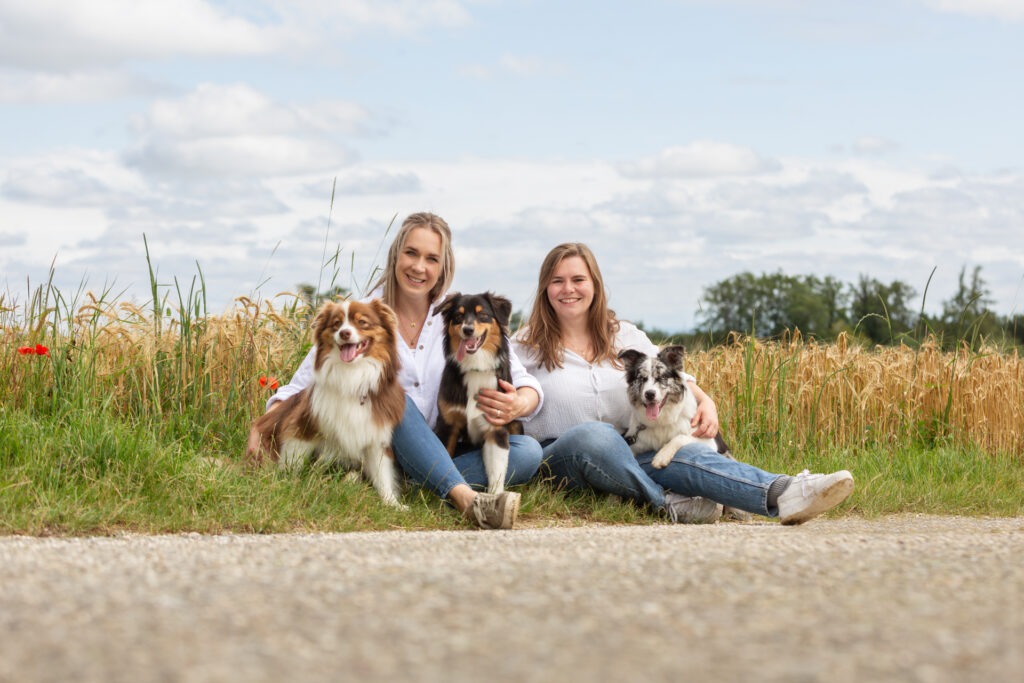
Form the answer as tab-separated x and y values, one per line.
807	395
136	418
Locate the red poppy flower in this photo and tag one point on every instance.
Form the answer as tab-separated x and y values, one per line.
26	350
42	350
273	384
263	380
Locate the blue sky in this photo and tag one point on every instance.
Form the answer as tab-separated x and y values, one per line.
684	141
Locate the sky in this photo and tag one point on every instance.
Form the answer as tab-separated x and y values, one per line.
252	145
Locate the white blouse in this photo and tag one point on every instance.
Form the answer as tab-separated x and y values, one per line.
420	374
580	391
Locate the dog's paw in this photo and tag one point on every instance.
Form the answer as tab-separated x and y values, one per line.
662	459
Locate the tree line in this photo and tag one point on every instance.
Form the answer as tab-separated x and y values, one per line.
771	305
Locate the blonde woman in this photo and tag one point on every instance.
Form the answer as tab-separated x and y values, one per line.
419	270
571	345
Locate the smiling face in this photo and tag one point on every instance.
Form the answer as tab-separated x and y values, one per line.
571	289
419	263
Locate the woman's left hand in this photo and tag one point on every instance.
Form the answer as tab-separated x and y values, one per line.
705	420
500	406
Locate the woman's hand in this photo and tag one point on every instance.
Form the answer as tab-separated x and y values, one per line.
705	420
505	404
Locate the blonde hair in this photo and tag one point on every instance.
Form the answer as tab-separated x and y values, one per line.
389	278
544	333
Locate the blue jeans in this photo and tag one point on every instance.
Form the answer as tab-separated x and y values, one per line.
594	455
424	459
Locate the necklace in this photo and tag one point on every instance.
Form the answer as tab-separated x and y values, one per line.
583	351
412	335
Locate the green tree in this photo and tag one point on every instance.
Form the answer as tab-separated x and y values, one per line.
966	315
881	312
772	303
308	293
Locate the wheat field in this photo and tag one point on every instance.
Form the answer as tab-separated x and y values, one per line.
168	361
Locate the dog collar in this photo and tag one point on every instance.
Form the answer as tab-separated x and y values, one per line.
631	438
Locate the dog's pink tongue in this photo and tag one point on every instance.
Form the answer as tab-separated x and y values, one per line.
463	349
653	410
349	352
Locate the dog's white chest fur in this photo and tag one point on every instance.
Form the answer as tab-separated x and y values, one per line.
476	380
341	404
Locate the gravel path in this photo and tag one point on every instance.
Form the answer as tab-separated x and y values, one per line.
905	598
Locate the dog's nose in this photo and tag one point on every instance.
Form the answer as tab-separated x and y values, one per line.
345	334
467	330
649	395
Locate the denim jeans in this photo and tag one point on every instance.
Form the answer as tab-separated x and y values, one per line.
426	462
594	455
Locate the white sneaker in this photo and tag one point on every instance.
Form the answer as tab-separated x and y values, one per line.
691	510
495	510
809	495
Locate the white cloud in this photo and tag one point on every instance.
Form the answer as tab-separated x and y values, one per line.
98	85
1008	10
520	66
874	145
703	158
235	129
50	34
370	182
344	17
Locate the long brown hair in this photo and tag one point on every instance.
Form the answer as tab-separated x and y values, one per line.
544	333
389	278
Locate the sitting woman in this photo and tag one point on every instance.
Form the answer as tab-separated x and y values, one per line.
571	345
419	270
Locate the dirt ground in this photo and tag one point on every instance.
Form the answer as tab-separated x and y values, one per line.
907	598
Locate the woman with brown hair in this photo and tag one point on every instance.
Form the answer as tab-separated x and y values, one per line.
571	345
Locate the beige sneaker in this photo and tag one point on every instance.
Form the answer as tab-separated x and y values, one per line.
809	495
691	510
495	510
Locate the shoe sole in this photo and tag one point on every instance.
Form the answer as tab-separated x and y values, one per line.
511	512
827	499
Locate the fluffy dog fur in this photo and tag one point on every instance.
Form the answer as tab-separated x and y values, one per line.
477	356
662	409
346	416
662	405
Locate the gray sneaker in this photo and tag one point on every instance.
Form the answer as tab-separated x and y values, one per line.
691	510
809	495
495	510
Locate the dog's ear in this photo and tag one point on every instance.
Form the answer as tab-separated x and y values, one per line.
672	356
502	308
387	316
447	304
631	357
323	317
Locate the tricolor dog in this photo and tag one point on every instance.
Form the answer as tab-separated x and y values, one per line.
477	356
346	416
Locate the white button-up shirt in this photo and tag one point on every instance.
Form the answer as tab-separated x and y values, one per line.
581	392
420	374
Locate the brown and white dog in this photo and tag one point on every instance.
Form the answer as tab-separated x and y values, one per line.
347	414
477	356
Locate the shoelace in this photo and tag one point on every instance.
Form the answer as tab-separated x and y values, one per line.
803	478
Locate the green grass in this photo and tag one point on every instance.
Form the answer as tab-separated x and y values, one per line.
83	473
136	421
